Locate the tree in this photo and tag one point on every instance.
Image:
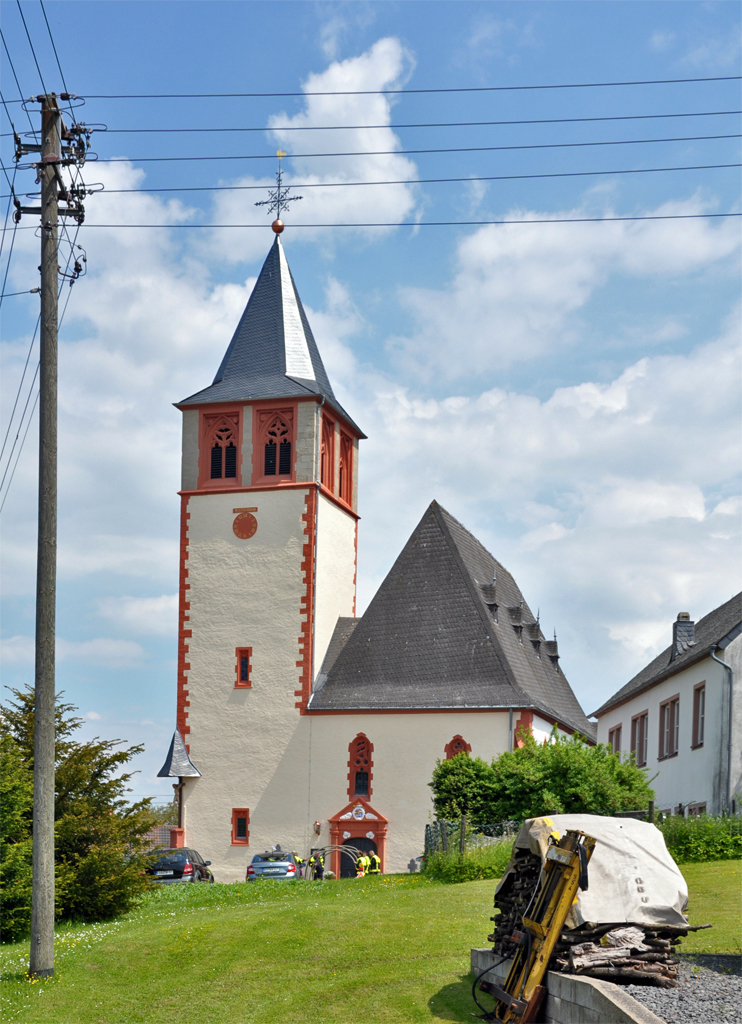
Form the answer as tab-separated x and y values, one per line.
100	847
562	776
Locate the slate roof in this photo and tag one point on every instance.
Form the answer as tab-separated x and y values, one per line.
439	634
177	763
717	629
272	353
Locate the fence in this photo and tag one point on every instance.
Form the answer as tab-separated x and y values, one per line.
450	836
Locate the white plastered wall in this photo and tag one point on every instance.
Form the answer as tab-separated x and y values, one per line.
693	776
335	589
406	747
189	457
249	744
733	657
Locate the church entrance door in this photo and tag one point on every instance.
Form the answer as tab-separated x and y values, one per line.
347	863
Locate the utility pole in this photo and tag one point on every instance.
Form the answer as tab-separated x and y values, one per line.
59	147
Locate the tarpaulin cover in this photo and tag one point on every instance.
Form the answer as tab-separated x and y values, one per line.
632	877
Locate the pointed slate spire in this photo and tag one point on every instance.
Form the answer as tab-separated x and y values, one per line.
273	353
177	763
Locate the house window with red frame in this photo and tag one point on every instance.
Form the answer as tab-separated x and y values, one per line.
614	739
699	714
458	745
669	727
243	668
327	454
240	826
360	766
639	737
219	448
345	472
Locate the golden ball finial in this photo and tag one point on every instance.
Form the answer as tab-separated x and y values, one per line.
277	226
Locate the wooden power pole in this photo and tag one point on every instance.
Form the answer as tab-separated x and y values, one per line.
59	147
42	898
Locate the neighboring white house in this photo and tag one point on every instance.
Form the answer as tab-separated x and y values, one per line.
682	715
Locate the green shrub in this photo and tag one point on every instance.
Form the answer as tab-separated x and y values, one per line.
702	838
100	844
477	863
562	776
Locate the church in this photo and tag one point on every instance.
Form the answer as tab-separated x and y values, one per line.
298	722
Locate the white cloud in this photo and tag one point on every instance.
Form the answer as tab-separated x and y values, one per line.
19	650
93	716
143	615
516	289
661	41
386	65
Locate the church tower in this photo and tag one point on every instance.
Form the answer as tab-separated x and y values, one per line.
267	565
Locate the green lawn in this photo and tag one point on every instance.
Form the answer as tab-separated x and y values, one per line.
715	898
391	949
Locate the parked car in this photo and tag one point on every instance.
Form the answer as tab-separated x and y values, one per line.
181	865
273	864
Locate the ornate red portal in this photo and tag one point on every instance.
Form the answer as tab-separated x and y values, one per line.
357	820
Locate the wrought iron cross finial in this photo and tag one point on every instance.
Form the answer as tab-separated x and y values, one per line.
279	197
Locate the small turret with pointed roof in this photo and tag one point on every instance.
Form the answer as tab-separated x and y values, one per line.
272	353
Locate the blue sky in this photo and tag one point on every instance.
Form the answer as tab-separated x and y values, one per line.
569	391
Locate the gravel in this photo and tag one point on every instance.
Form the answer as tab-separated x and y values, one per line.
709	989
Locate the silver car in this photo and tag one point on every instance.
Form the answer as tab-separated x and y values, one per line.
273	864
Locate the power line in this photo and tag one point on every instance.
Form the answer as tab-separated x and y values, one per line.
422	124
30	43
413	152
417	181
34	131
398	92
51	37
435	223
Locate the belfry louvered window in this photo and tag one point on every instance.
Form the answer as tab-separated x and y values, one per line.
277	460
221	447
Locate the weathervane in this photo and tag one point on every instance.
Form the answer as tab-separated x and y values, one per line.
279	197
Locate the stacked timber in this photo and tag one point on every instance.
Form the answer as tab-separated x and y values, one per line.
634	954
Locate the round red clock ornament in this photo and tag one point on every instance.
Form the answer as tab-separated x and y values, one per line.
245	525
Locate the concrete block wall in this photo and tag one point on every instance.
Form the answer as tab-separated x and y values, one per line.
572	999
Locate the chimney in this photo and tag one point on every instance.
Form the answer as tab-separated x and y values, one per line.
683	635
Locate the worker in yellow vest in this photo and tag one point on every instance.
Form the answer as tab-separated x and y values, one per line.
360	866
375	864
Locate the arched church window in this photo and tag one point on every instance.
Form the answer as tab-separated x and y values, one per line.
345	471
360	766
327	454
277	451
458	745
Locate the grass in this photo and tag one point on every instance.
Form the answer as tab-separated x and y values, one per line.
715	898
392	949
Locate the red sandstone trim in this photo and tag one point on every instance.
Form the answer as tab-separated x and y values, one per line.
361	740
277	487
456	746
184	634
522	726
306	636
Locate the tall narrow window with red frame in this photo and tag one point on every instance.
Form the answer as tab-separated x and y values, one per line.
219	447
243	668
360	766
240	826
345	471
669	727
327	454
